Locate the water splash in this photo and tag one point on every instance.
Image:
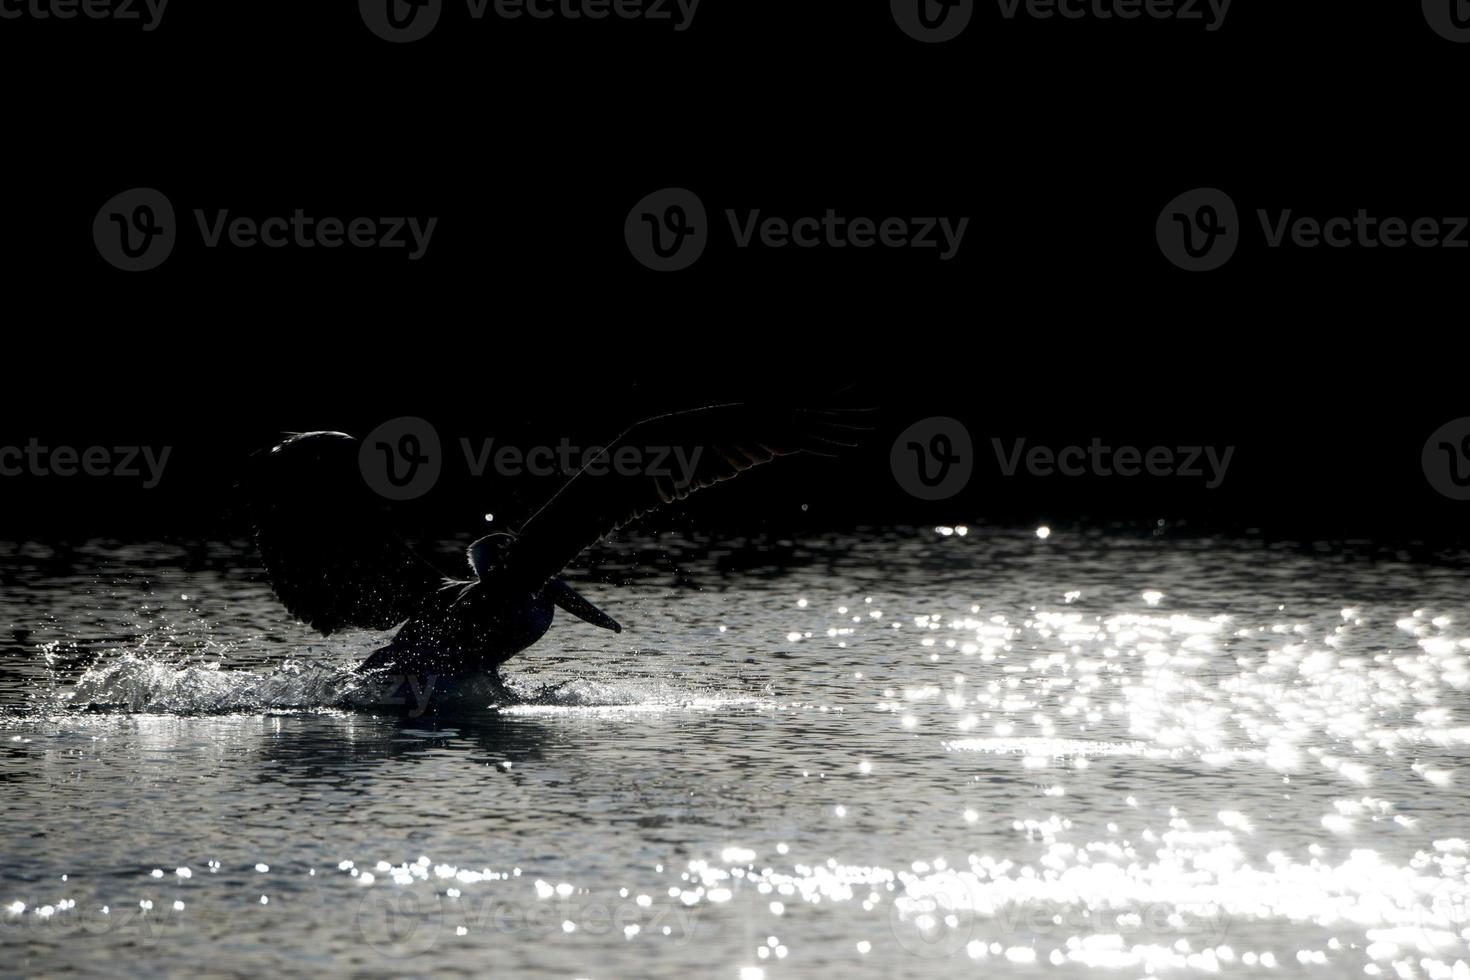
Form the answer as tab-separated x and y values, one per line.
619	697
140	684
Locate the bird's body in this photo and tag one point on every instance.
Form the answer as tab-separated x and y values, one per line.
336	567
466	628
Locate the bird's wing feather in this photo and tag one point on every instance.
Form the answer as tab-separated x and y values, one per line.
728	440
332	563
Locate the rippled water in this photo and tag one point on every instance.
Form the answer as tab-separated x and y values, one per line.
907	753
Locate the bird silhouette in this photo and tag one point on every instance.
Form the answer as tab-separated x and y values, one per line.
336	567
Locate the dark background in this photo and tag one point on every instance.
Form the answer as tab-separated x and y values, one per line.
528	320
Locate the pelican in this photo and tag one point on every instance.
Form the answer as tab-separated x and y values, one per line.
336	568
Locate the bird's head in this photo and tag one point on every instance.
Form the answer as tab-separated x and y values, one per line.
489	552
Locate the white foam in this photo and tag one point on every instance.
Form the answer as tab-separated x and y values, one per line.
619	697
140	684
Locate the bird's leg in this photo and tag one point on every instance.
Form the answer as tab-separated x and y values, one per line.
418	674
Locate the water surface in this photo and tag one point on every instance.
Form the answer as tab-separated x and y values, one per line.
914	752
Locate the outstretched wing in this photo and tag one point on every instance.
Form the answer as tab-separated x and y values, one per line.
330	560
675	455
